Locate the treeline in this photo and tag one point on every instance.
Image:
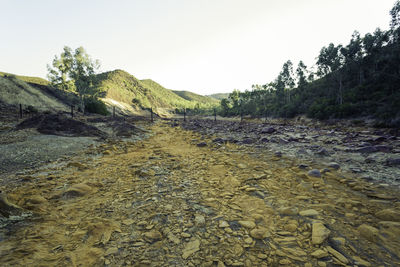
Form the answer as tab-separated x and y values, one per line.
361	78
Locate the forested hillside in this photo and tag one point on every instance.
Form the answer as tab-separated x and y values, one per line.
359	79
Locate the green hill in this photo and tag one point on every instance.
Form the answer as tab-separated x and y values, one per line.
124	87
219	96
197	98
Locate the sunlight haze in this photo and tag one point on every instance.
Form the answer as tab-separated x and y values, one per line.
204	46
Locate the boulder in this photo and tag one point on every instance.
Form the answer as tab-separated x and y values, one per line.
319	233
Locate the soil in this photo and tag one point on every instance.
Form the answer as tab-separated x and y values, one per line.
176	198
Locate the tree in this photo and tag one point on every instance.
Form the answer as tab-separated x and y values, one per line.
75	71
301	72
331	60
395	21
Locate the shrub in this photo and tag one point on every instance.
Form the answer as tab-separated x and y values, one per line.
94	105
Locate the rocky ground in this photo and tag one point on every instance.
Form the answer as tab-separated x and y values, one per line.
370	153
181	198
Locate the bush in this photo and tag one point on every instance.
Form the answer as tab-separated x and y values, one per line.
94	105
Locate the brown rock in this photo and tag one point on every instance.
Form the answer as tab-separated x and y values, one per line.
247	224
259	233
78	190
388	215
369	232
319	233
338	255
319	253
153	235
191	248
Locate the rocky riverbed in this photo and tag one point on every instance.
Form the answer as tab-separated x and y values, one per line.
183	198
369	153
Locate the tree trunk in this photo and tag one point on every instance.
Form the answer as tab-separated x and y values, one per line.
340	93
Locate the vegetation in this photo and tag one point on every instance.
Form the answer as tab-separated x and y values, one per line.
219	96
359	79
204	100
74	71
124	87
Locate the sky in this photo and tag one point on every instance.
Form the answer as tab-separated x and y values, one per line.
203	46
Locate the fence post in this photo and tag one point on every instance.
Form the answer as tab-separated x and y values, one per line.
72	111
151	112
113	111
184	114
20	111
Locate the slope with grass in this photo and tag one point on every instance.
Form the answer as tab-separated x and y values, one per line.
204	100
29	91
219	96
123	87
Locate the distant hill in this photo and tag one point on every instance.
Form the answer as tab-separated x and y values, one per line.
219	96
198	98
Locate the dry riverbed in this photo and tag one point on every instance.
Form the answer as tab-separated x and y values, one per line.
177	198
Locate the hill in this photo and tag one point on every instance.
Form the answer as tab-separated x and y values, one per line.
27	79
197	98
30	91
120	86
219	96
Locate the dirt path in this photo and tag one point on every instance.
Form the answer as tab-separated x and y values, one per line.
166	201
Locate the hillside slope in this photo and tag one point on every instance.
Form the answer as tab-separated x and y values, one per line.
14	91
208	101
219	96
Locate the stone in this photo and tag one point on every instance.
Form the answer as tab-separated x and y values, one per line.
291	227
319	253
337	255
319	233
36	200
248	240
242	166
334	165
309	213
247	224
199	220
388	215
78	190
267	130
190	248
173	238
259	233
369	232
110	251
285	262
366	149
238	249
248	141
393	161
153	235
202	144
288	211
314	173
360	262
223	224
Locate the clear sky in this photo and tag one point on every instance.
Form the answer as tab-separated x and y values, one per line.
204	46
